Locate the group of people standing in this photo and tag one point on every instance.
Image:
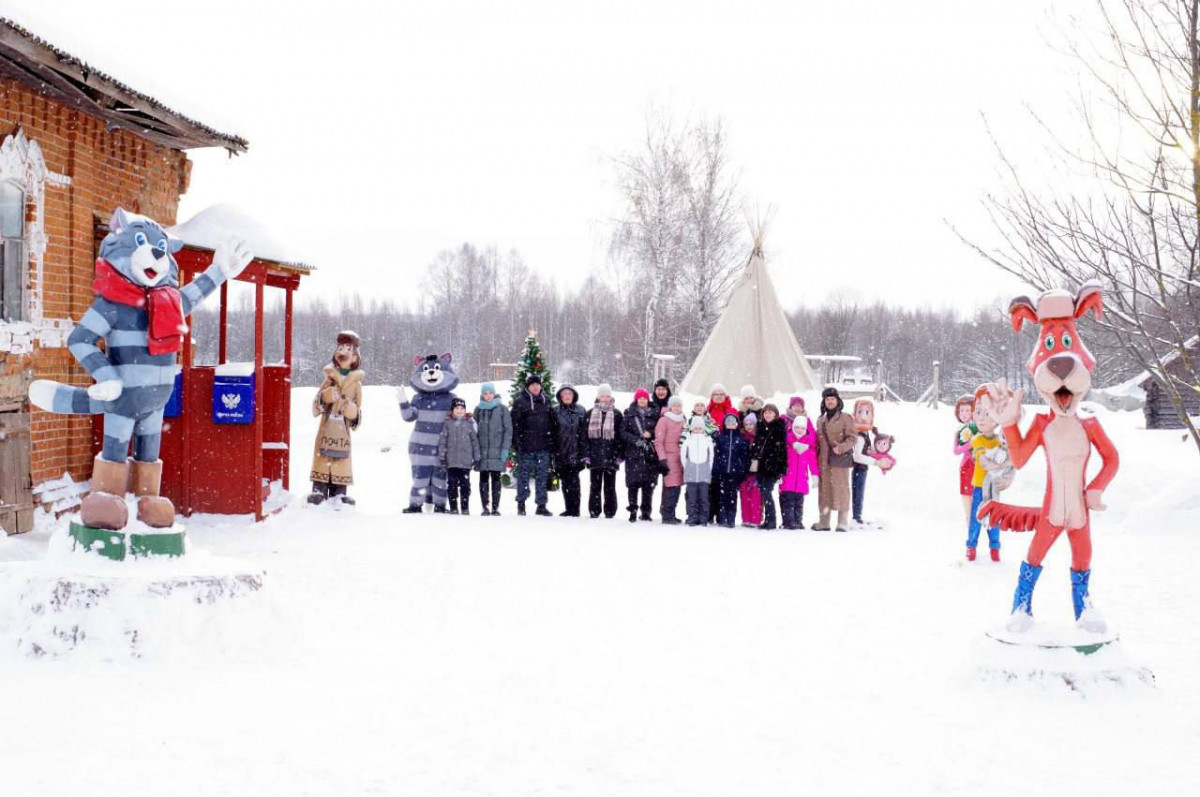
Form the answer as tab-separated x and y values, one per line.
714	458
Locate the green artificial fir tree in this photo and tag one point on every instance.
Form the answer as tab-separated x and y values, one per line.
532	361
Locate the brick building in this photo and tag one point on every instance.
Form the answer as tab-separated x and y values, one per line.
74	144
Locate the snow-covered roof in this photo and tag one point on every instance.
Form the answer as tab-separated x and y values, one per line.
218	223
26	57
1144	376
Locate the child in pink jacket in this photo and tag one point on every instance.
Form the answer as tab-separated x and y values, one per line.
802	461
749	492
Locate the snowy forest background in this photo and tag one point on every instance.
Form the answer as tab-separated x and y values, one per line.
673	256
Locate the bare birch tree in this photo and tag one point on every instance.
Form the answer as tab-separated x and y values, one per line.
1136	224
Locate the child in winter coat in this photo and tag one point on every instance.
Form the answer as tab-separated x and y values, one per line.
458	453
748	492
768	460
641	460
802	462
603	451
667	440
494	426
697	471
732	460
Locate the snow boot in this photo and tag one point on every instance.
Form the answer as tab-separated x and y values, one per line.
543	511
521	508
440	509
841	522
1022	609
466	505
412	509
320	492
970	554
823	523
633	516
995	554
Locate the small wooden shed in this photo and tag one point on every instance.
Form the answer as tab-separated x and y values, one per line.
1160	412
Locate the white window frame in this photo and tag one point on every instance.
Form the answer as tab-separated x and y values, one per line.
22	163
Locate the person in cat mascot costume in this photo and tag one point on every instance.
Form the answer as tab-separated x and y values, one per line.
433	378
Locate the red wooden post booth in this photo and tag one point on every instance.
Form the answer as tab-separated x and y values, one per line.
226	469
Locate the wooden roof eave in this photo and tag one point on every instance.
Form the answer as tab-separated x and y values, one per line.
71	81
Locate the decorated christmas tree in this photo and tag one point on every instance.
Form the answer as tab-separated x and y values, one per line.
532	361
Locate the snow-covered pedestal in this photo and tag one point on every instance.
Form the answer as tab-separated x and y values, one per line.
1059	655
119	593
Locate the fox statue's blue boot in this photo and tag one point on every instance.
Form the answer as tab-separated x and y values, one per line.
1022	608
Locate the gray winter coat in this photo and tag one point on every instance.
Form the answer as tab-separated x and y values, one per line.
459	445
495	437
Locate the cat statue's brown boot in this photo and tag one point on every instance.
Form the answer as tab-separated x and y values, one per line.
153	510
104	507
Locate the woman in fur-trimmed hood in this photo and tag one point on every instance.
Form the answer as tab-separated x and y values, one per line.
338	404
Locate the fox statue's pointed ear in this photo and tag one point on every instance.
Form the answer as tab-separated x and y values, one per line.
1020	310
1089	297
119	220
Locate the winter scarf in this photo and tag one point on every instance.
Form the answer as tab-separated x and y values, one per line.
603	423
164	307
676	417
489	405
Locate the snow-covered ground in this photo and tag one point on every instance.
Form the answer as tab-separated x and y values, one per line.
440	655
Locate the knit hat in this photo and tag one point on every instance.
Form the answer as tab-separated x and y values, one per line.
457	402
487	387
604	390
731	416
533	379
697	422
663	383
675	401
796	401
751	421
718	388
748	391
641	393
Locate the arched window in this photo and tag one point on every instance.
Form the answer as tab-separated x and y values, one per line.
12	253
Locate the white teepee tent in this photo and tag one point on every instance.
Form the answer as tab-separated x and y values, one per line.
752	342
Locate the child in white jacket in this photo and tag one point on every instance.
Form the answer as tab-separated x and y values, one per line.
697	470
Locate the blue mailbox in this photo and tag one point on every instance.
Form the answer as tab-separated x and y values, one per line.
233	393
174	406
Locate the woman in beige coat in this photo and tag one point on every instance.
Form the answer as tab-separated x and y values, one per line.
835	444
338	404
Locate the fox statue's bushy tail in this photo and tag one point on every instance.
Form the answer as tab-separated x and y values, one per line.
1008	517
64	399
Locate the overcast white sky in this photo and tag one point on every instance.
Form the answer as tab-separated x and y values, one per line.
382	132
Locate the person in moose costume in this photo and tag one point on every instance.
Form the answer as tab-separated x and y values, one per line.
1062	374
338	404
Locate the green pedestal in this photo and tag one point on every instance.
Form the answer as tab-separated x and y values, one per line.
117	545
